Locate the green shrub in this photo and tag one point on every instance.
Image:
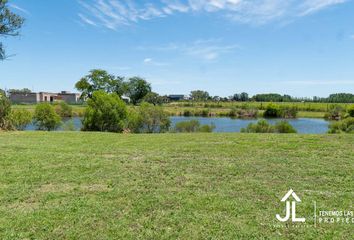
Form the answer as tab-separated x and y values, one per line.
132	122
193	126
187	113
152	119
105	113
187	126
288	112
21	118
45	117
69	126
344	126
262	126
64	110
272	111
233	113
206	128
351	110
5	111
205	112
284	127
335	112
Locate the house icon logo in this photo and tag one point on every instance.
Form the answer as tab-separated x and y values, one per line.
290	209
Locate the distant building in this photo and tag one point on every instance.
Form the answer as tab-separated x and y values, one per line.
25	97
177	97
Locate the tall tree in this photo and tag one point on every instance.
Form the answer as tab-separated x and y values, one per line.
138	88
199	95
100	80
10	24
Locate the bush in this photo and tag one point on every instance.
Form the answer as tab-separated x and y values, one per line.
335	112
64	110
344	126
284	127
105	112
5	111
69	126
45	117
21	118
193	126
262	126
206	128
288	112
351	110
133	122
187	113
150	119
232	113
187	126
272	111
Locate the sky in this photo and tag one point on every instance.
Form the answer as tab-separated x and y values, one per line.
303	48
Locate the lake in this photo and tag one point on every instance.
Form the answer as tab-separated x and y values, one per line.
224	124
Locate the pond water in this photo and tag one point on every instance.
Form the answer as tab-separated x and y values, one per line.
302	125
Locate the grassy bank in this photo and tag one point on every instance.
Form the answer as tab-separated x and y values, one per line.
78	110
198	186
178	109
301	106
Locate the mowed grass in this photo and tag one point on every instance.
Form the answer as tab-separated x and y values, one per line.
68	185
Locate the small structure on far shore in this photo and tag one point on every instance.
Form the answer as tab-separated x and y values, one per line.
33	97
178	97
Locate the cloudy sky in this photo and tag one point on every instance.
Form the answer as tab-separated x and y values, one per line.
298	47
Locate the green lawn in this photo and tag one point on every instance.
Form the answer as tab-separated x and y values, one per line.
75	185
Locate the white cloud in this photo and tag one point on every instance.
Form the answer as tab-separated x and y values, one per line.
19	8
114	13
151	62
86	20
207	50
312	6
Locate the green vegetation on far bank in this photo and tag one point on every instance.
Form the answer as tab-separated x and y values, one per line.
65	185
78	110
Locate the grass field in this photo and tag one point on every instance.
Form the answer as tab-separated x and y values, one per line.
66	185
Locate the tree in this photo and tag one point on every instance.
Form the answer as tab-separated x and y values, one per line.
45	117
137	89
153	98
10	24
100	80
243	97
341	98
105	112
199	95
24	90
5	110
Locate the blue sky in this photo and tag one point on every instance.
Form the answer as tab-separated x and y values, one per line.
302	48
